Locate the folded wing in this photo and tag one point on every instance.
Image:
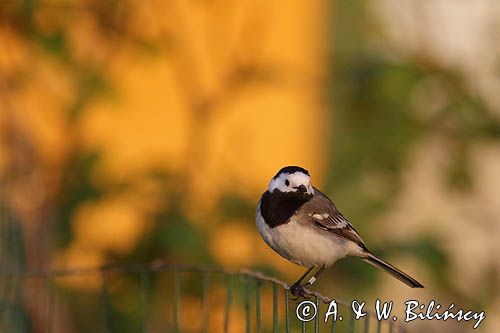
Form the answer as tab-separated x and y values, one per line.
325	215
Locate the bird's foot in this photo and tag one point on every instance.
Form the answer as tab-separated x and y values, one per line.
295	288
299	291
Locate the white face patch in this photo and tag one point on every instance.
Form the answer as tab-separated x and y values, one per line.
286	182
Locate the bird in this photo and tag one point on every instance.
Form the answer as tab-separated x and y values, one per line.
303	225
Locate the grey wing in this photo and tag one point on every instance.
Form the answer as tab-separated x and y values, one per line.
325	215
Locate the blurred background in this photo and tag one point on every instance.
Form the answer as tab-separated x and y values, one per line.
134	131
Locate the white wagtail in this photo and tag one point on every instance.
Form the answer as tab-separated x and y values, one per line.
303	225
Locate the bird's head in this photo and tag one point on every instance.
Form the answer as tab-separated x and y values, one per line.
292	179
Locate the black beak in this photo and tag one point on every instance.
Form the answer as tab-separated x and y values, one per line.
301	189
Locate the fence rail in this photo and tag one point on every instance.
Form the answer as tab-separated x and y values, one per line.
252	301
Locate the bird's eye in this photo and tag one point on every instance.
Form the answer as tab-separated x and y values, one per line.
287	182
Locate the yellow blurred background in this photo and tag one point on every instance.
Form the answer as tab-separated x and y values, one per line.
139	130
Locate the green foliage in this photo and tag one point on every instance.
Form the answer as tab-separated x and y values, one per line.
55	44
92	84
77	188
177	239
234	206
375	125
14	315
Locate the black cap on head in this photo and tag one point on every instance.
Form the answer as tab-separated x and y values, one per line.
291	169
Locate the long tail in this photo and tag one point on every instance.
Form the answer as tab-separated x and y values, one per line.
401	276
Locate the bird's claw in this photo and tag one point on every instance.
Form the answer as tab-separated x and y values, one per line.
299	291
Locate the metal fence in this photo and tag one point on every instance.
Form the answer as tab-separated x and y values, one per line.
153	297
250	302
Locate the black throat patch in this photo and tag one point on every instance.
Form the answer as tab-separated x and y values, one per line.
277	207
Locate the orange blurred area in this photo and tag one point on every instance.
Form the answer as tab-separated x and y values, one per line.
95	226
154	120
227	95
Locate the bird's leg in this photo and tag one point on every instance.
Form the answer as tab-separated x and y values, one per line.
298	290
295	288
314	277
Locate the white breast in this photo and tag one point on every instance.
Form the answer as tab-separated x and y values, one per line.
304	245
